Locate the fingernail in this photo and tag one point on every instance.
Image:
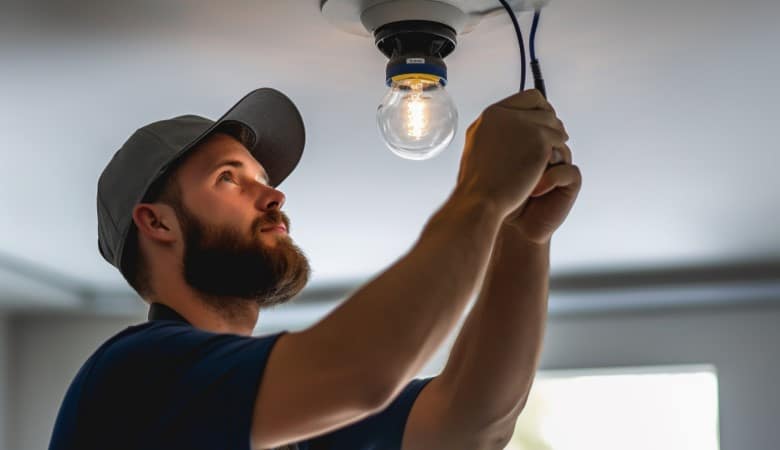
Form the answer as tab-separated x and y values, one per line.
556	156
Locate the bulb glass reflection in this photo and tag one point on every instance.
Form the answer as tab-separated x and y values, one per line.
417	118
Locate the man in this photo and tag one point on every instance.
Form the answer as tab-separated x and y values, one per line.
190	213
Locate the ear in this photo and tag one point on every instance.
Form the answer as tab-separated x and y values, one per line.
156	221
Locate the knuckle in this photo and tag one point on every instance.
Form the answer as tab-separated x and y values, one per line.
546	117
568	153
475	124
491	111
536	93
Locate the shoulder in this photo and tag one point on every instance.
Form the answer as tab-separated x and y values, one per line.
183	378
163	342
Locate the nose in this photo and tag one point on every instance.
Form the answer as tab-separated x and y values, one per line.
269	198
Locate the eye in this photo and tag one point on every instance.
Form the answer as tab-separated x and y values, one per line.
226	176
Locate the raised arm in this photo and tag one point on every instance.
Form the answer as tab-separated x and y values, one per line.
354	361
474	403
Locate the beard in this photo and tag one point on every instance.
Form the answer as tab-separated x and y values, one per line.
230	269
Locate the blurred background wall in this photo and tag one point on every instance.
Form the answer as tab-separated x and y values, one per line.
741	342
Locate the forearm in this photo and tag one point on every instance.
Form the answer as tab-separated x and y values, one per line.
494	359
395	323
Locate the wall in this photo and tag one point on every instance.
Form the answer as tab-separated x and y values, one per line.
4	380
740	342
47	352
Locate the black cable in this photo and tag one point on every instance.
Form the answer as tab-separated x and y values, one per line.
534	24
519	41
537	72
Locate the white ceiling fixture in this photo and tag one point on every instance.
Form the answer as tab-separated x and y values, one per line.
363	17
417	118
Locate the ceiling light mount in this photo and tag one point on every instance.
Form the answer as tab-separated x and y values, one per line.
415	36
415	48
363	17
416	118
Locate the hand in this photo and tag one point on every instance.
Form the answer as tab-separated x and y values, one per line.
507	149
550	202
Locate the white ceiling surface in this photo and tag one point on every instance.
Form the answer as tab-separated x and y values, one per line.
671	108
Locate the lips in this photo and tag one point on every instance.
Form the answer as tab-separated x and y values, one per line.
279	227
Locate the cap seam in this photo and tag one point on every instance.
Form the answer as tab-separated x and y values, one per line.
157	138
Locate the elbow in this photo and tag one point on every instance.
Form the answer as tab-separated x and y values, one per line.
379	392
383	383
497	434
498	441
377	398
469	438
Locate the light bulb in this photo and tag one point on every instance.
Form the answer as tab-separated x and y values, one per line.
417	118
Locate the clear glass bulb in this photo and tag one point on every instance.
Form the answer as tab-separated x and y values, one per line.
417	118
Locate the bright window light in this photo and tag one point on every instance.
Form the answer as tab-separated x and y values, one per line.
670	408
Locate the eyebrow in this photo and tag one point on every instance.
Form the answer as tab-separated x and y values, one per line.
239	165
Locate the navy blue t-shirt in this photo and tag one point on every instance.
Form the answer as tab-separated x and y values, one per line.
165	384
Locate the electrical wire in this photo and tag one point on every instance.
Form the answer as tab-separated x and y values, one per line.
519	42
534	24
537	72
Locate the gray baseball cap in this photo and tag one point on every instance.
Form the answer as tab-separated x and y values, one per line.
276	139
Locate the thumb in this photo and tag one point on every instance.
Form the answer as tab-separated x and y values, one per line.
561	175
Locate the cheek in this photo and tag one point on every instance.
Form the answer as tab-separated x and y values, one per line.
227	212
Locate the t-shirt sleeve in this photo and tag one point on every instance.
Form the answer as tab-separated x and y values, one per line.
198	388
381	431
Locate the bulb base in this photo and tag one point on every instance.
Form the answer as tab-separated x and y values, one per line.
403	67
421	37
416	49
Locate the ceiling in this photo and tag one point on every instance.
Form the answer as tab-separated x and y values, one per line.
671	108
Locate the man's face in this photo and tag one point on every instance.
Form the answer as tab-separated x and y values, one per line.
231	250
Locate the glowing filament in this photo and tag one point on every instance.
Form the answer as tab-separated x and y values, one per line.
416	116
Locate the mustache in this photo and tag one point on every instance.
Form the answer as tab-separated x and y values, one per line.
270	219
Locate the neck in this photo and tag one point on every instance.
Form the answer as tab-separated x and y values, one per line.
217	315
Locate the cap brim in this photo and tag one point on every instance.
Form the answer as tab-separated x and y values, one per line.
277	125
277	129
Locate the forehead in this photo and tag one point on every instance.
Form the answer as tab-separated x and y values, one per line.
217	148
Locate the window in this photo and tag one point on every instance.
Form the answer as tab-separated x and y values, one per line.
670	408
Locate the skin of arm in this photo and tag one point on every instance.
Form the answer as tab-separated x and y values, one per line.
355	361
475	401
406	313
494	358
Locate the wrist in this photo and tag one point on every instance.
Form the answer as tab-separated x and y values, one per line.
464	214
509	234
465	199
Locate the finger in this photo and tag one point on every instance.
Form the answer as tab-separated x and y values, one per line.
561	155
525	100
560	176
553	137
543	118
